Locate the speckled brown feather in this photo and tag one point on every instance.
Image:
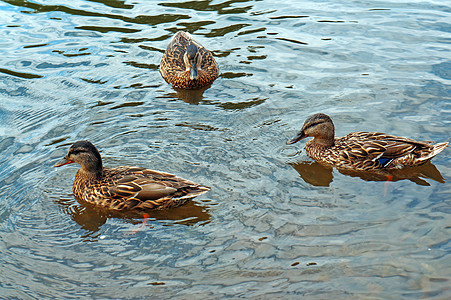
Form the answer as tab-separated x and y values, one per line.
173	69
365	150
123	188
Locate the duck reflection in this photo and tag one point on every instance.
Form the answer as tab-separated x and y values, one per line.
92	218
189	96
317	174
314	173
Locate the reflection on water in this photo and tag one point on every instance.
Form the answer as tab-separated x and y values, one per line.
73	70
88	219
197	97
91	218
189	96
316	174
414	174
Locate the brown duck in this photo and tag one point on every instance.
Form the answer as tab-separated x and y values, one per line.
125	188
187	64
362	150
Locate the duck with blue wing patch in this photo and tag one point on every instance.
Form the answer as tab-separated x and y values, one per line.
363	151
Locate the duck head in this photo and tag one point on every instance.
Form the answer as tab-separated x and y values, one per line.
86	155
320	127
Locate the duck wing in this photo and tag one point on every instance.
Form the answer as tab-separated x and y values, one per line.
377	149
144	188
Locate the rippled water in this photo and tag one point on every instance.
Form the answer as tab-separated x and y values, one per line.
274	223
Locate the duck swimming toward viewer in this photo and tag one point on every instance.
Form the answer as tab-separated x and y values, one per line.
187	64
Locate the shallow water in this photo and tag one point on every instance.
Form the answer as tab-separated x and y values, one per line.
274	223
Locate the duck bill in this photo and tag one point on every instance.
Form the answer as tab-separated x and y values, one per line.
63	162
297	138
193	74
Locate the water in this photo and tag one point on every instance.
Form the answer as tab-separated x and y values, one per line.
274	223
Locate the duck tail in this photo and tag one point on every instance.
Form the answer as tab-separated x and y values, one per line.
194	191
437	148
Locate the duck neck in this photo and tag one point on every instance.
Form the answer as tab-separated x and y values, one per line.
89	175
92	170
325	142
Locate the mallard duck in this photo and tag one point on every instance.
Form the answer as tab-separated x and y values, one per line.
362	150
125	188
187	64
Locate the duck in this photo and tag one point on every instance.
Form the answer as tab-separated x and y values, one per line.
362	151
125	188
186	64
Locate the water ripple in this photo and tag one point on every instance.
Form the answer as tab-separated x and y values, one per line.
275	224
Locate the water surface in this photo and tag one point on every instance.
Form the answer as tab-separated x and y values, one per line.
274	223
